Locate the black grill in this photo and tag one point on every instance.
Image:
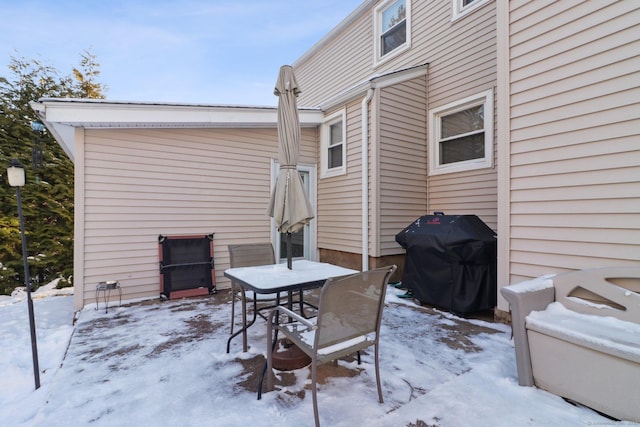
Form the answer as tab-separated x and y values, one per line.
450	262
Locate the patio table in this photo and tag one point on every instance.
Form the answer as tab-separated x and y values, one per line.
276	278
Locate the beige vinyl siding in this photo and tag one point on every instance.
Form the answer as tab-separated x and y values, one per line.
575	127
462	63
345	61
461	55
140	183
471	192
340	198
401	181
466	193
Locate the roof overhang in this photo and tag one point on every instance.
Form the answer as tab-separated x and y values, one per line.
63	115
375	82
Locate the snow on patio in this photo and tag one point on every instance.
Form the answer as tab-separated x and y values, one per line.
152	363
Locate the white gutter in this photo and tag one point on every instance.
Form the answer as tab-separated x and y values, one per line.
365	178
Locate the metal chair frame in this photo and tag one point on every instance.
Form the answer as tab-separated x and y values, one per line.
349	318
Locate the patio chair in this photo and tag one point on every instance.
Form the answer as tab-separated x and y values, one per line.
248	255
349	317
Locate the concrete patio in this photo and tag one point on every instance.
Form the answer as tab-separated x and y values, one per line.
165	363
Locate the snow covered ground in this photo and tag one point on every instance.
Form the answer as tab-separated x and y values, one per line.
164	364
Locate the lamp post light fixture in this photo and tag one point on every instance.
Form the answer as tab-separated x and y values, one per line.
16	177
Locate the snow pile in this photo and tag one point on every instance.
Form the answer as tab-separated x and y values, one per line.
165	364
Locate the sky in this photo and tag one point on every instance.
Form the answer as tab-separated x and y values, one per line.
192	51
165	364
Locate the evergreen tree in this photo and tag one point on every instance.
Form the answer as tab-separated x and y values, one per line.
47	198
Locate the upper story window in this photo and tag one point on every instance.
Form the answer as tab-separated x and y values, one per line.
333	145
462	7
462	136
393	29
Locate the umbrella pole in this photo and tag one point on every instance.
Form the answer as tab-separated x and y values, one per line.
289	255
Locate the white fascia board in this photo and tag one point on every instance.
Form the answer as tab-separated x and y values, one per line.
92	114
63	116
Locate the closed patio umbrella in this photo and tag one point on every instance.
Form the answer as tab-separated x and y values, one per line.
289	205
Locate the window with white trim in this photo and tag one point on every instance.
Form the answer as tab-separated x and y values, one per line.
393	28
462	7
333	136
462	135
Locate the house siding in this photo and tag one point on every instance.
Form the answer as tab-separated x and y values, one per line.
345	61
460	68
339	213
574	130
140	183
461	55
462	62
400	185
471	192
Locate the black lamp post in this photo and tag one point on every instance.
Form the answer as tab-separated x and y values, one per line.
16	177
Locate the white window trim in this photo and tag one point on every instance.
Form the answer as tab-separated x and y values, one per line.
325	136
458	10
377	25
435	168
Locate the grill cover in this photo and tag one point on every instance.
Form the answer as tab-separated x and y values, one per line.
450	262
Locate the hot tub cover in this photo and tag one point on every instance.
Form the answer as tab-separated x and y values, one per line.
450	262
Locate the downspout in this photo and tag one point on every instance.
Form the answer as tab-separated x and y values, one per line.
365	179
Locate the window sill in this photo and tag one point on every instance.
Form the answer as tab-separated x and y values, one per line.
470	165
333	173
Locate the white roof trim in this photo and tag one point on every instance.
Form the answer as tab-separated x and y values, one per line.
97	114
378	81
62	115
